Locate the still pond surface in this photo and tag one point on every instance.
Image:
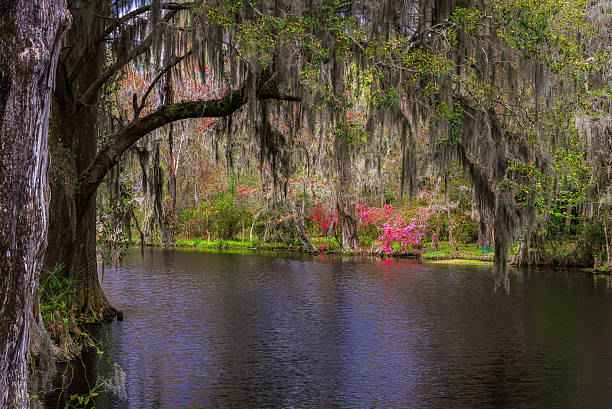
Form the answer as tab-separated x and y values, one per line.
244	330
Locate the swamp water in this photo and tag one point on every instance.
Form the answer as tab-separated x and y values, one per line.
246	330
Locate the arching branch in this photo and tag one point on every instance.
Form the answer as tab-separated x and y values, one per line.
122	140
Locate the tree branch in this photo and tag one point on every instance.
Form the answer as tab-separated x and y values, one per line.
175	7
110	155
91	91
175	61
118	22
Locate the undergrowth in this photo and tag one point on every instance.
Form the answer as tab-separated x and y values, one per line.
68	330
63	323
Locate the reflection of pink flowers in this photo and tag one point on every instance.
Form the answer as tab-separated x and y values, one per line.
398	231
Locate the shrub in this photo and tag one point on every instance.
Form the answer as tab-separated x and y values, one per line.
399	229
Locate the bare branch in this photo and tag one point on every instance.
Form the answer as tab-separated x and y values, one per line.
167	68
93	88
133	14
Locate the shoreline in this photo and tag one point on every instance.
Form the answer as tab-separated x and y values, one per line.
455	257
430	256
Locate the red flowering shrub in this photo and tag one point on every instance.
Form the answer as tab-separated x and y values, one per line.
321	219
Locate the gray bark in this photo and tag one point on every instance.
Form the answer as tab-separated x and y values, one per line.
31	35
484	232
253	225
346	201
301	229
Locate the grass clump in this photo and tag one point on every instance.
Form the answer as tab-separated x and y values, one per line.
62	322
228	244
464	252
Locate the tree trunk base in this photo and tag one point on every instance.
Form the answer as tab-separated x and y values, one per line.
96	305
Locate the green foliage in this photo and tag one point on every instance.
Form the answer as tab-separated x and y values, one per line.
223	216
464	252
352	132
549	30
528	183
55	293
466	229
368	235
325	243
64	324
259	38
452	114
590	240
575	176
389	199
469	19
226	216
385	99
221	244
81	401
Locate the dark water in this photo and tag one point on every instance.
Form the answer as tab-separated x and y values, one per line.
233	330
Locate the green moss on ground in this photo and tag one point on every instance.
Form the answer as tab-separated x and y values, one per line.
461	261
465	252
221	244
468	252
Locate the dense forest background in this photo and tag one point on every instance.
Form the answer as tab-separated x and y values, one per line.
401	126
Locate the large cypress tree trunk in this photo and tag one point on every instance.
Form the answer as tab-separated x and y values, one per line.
73	144
301	229
31	34
72	227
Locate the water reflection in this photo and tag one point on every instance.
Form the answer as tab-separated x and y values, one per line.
240	330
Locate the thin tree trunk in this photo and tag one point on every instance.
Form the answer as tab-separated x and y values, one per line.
450	228
242	213
32	35
608	238
568	217
484	231
169	218
301	230
253	226
448	213
269	227
345	204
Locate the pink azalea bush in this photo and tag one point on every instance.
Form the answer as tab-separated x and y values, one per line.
399	229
